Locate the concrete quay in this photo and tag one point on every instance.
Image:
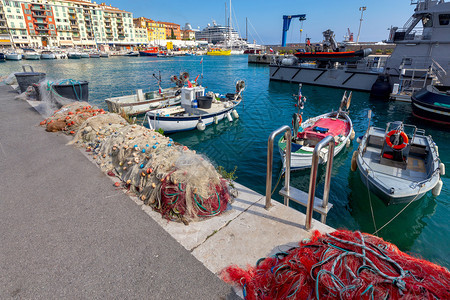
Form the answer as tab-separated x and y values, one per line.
66	232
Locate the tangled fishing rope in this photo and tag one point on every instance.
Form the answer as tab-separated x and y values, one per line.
344	265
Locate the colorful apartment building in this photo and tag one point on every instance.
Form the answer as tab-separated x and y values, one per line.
188	35
67	23
172	28
156	31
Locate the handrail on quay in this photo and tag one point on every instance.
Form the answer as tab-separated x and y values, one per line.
313	178
288	137
295	194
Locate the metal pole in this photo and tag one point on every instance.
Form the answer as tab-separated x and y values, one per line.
270	161
362	9
312	179
326	189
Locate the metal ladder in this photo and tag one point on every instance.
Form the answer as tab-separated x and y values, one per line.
309	200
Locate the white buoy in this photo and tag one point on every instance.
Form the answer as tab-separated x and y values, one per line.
359	140
436	191
352	135
347	143
200	125
229	117
216	120
235	114
442	169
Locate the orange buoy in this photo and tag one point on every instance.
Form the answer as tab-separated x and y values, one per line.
43	122
117	184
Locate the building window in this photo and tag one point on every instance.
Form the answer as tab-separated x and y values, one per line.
444	20
28	18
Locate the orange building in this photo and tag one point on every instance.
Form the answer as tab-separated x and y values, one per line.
172	26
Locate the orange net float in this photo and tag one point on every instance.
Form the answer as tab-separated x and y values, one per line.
402	135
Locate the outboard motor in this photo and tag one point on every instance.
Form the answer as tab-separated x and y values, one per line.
381	89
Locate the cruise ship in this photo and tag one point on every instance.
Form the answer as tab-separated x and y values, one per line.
217	34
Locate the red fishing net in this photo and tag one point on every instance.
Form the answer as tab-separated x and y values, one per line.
344	265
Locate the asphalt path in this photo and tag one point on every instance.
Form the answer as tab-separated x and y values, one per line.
65	232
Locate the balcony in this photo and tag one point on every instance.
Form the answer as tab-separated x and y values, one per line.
119	21
36	15
108	25
40	21
37	8
40	28
76	38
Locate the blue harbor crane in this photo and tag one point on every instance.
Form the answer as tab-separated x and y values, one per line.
287	24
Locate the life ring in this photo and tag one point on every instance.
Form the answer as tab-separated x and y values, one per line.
402	135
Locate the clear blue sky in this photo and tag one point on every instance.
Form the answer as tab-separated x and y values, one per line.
266	16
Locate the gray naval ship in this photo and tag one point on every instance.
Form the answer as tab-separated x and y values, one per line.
421	57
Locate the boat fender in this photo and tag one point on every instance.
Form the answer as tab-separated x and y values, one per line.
347	143
436	191
229	117
235	114
354	165
442	169
200	125
359	139
352	135
216	120
437	149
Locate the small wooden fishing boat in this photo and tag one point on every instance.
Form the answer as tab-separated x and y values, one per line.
306	135
140	103
399	163
196	110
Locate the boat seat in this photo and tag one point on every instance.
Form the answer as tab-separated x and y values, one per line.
140	95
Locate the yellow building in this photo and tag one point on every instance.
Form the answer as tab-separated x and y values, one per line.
155	30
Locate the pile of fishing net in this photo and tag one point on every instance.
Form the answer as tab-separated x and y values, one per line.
174	180
70	117
344	265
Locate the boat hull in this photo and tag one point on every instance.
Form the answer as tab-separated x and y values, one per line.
392	184
48	56
33	56
143	53
336	78
430	105
302	159
13	56
348	56
183	123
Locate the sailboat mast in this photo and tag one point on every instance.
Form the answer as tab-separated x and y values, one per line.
246	29
229	26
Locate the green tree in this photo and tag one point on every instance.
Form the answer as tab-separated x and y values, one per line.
172	35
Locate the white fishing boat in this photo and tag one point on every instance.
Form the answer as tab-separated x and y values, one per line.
13	56
104	54
306	135
94	55
140	103
84	55
196	110
399	164
48	55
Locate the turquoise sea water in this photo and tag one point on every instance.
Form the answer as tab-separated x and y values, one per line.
422	228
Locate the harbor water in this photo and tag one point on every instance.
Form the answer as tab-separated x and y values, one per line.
421	229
